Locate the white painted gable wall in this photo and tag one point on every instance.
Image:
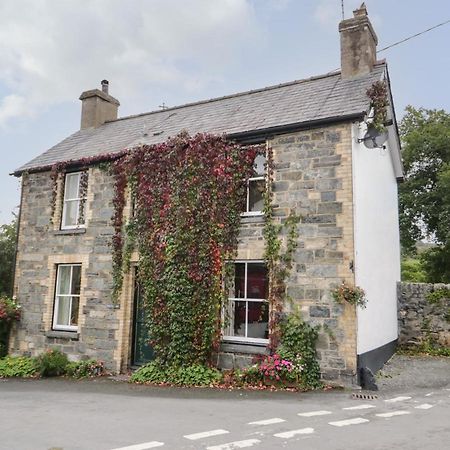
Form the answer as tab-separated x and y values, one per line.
377	243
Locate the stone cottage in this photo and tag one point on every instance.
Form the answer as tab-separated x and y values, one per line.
329	167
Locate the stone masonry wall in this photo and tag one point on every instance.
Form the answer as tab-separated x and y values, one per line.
418	319
313	178
41	247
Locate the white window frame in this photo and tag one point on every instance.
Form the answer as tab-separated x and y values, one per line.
66	200
248	213
57	326
227	338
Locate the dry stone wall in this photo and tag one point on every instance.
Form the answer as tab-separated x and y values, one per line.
420	319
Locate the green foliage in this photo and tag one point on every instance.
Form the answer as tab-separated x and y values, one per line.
9	309
424	197
436	263
413	270
424	349
378	94
188	194
298	342
52	363
437	295
18	366
194	375
278	257
353	295
86	368
7	251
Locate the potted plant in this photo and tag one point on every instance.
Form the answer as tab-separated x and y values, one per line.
9	313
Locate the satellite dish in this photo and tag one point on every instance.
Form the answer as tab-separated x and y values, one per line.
374	138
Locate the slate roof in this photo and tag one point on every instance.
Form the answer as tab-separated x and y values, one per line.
311	100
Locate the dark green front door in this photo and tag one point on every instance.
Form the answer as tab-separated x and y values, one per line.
142	351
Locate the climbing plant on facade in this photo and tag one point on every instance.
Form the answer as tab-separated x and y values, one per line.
188	194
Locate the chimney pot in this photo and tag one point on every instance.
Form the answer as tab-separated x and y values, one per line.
105	86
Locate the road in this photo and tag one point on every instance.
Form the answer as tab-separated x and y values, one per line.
102	414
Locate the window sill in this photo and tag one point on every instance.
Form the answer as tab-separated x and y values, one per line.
250	348
252	218
69	231
59	334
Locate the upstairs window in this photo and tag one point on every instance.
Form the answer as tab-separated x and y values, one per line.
67	297
247	312
75	185
256	186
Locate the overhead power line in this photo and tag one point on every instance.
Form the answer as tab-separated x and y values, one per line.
414	35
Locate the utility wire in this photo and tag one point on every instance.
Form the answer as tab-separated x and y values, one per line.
343	11
413	36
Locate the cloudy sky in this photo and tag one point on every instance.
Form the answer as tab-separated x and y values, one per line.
177	51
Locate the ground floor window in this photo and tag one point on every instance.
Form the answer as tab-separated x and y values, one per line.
67	297
247	311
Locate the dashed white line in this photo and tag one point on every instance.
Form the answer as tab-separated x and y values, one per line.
292	433
344	423
205	434
429	395
143	446
267	421
423	406
397	399
393	413
236	444
314	413
350	408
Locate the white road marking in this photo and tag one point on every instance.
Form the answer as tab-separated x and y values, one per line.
424	406
205	434
236	444
429	395
144	446
344	423
397	399
350	408
267	421
314	413
292	433
393	413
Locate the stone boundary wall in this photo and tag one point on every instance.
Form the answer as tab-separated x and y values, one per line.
418	318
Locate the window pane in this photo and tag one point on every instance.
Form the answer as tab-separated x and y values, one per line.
76	280
239	280
63	311
239	319
64	280
258	165
74	313
258	320
70	213
256	190
72	181
257	280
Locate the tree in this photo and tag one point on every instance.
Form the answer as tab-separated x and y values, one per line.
425	194
7	250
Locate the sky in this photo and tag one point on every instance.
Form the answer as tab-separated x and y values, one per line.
172	52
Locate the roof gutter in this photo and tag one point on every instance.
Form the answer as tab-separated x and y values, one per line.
259	136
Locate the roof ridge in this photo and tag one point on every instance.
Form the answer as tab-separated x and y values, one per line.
237	94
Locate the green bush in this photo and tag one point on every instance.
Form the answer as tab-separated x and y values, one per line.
194	375
17	366
87	368
298	343
52	363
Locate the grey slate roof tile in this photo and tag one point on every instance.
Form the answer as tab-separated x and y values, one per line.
313	99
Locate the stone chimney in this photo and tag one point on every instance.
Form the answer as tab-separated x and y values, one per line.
98	107
358	44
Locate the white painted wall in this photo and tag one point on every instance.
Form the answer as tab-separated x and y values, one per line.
377	241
